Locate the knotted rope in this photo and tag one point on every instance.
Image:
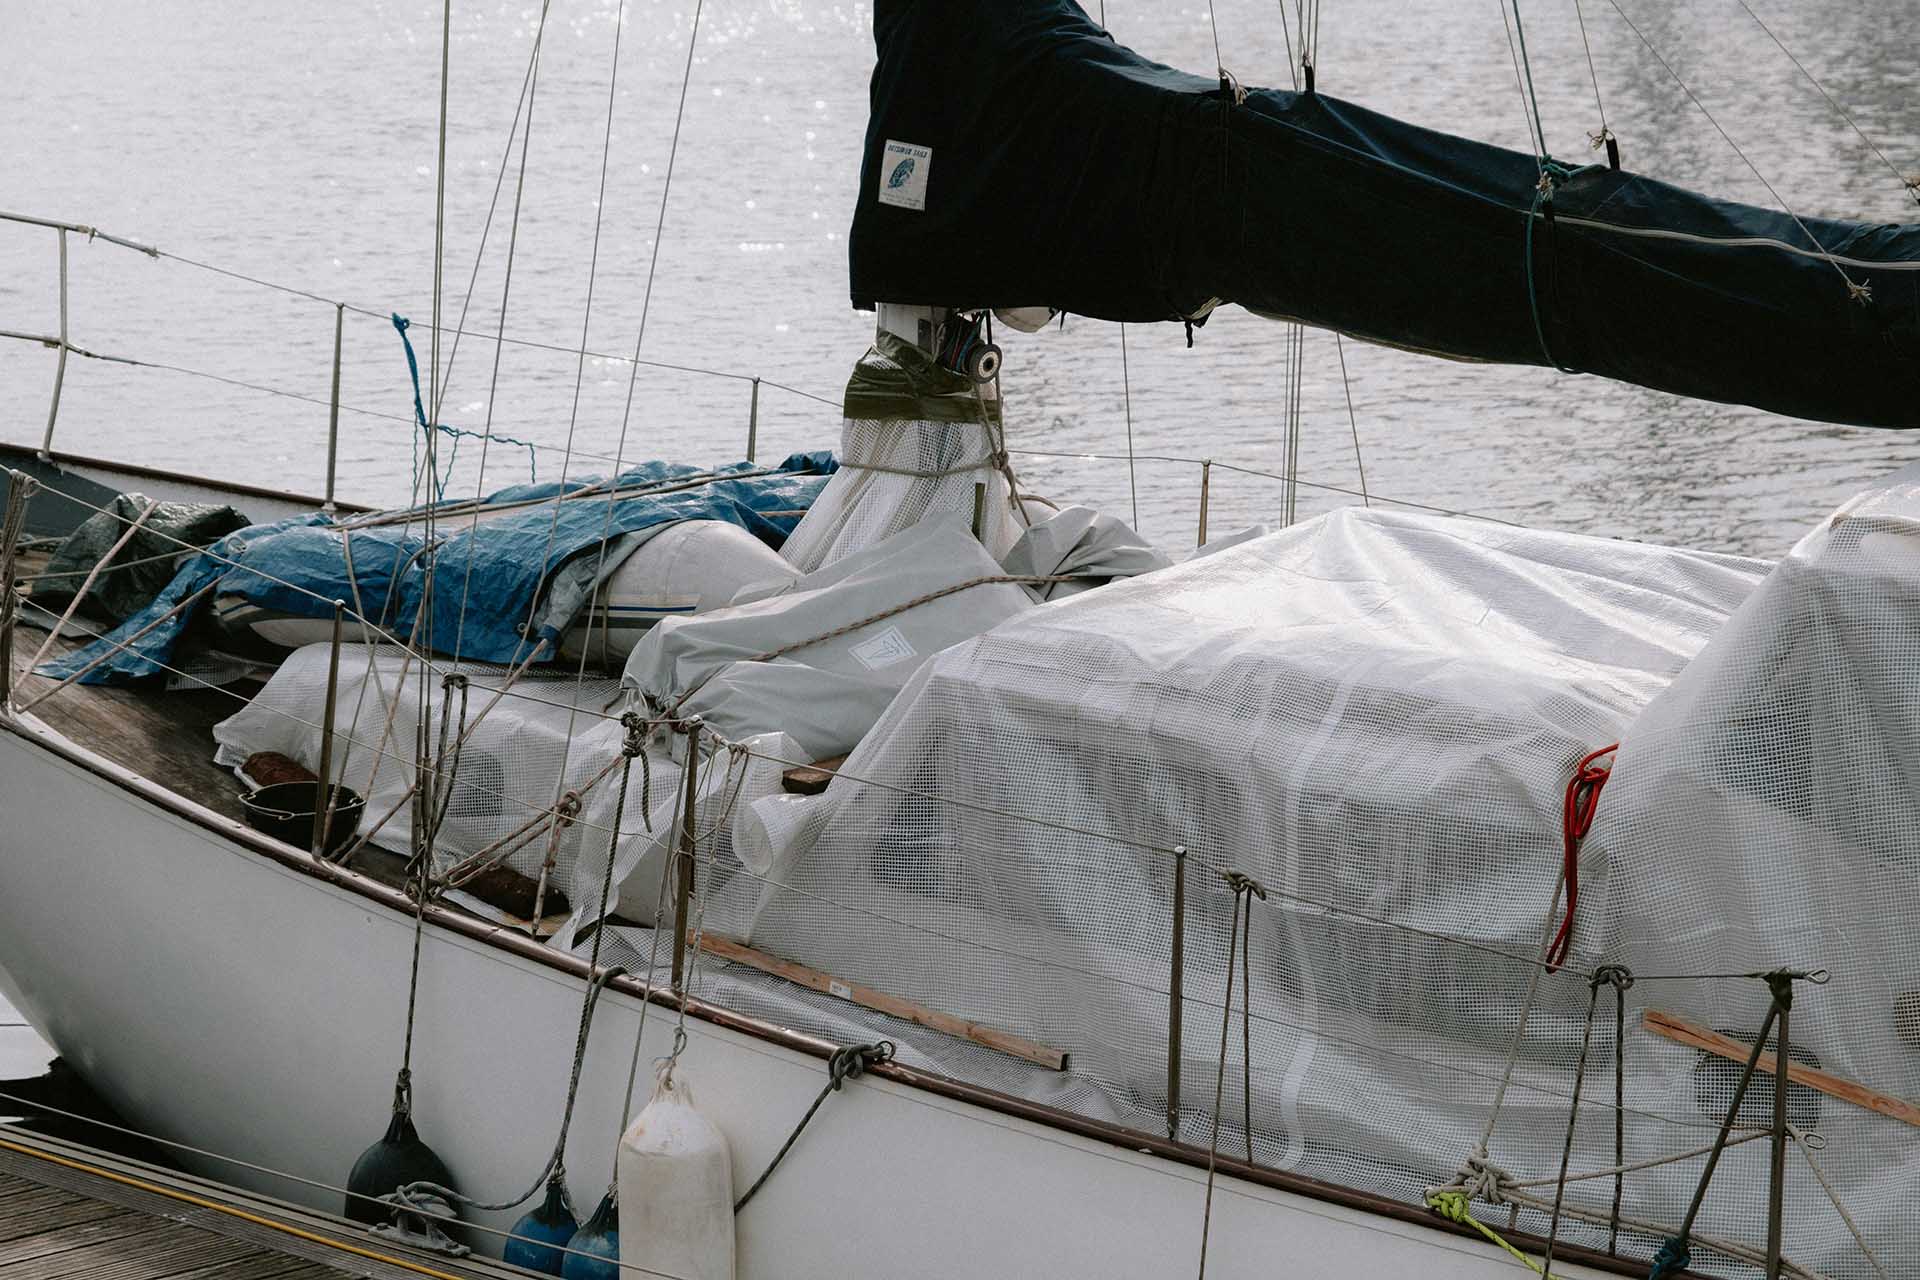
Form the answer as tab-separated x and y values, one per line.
849	1062
1453	1205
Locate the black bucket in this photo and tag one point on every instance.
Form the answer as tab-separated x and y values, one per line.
285	811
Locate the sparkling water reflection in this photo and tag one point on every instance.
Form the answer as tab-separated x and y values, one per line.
298	144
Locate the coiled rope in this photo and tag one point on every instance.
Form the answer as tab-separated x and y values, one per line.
1583	796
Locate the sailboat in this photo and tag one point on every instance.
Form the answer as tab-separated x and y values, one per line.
1389	893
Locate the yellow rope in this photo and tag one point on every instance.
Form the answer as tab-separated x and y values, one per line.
1453	1206
198	1202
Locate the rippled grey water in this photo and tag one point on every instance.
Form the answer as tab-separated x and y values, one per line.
297	143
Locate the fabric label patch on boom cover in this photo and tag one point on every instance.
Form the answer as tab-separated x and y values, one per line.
903	175
884	650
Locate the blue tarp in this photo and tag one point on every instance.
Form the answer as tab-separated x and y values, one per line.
486	577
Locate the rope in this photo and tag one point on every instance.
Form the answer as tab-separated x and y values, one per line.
1738	1252
849	1062
1508	1185
1479	1153
555	1168
1583	795
1267	475
1672	1258
1454	1207
378	313
646	304
1820	1176
1239	942
25	579
1286	32
409	1196
528	88
281	1174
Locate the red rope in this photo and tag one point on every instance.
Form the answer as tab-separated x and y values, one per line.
1576	819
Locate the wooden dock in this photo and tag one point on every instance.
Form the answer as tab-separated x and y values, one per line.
73	1213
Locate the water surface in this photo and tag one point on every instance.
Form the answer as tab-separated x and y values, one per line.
297	143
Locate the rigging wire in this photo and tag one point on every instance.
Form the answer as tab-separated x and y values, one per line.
1270	475
646	305
1909	183
499	437
1532	99
1286	32
1605	135
1860	292
523	103
506	291
1513	53
1353	423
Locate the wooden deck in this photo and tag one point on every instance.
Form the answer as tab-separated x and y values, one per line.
166	737
71	1213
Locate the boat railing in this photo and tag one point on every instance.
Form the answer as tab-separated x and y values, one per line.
1205	469
1204	892
61	342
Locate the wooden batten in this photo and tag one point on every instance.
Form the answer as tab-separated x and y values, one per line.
1680	1031
879	1001
811	779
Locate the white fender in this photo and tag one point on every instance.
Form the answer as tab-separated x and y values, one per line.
676	1189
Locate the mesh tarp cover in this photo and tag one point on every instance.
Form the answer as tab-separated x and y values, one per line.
1376	715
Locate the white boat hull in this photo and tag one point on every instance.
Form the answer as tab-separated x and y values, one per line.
220	997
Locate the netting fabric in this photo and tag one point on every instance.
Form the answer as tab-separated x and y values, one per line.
1761	816
1376	716
521	757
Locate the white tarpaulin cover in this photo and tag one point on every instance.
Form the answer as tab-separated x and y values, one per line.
1761	816
547	737
1376	716
1084	543
825	695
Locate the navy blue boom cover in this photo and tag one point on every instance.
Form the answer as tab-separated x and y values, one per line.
1060	169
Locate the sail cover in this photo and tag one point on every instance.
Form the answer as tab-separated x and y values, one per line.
1017	156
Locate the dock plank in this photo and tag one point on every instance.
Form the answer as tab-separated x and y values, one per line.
163	1249
261	1266
22	1208
109	1222
144	1222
